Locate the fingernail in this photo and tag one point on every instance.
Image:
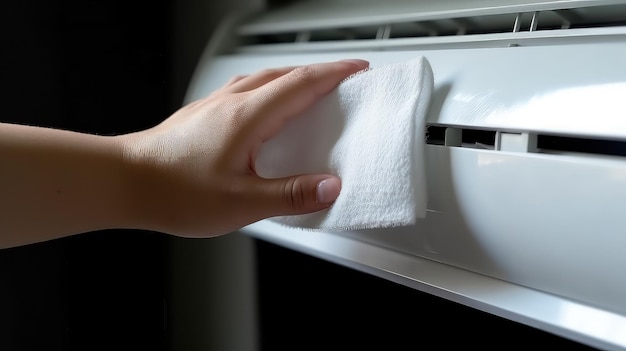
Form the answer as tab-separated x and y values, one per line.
361	63
328	190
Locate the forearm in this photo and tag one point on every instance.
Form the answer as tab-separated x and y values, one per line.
55	183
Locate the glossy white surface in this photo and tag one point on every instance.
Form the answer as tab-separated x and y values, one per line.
553	223
562	89
552	313
536	238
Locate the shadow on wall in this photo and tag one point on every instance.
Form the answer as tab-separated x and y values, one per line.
192	24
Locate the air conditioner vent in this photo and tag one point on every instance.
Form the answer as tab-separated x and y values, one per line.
304	24
536	142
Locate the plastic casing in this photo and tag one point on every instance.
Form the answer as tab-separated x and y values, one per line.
539	238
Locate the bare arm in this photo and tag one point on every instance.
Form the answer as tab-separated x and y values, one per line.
54	183
192	175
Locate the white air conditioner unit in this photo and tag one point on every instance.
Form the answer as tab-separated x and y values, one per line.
526	154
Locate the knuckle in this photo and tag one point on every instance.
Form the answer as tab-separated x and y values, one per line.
294	194
236	78
233	105
304	74
233	110
270	72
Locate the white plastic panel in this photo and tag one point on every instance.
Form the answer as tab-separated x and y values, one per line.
533	237
548	222
552	313
563	89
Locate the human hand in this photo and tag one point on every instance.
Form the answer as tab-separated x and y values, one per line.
194	174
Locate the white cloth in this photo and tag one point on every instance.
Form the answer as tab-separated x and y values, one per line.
369	132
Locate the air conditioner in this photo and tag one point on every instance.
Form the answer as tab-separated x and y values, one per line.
526	149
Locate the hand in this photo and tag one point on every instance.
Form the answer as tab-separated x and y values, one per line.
194	174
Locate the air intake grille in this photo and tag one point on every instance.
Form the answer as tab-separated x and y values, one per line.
414	24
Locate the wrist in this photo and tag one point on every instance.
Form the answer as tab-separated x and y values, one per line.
144	184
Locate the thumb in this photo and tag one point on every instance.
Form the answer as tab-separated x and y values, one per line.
298	194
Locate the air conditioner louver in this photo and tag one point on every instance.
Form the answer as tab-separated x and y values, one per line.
345	25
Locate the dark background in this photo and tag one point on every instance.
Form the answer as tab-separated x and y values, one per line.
110	67
97	67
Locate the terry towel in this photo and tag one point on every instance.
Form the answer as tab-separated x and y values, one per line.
369	132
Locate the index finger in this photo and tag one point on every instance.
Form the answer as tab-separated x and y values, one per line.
293	93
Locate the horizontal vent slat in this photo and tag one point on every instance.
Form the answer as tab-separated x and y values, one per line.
558	19
536	142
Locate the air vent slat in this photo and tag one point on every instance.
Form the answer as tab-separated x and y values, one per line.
457	24
537	142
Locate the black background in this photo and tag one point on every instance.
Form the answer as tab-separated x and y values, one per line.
98	67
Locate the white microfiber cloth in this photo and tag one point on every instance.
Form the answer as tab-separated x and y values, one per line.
369	132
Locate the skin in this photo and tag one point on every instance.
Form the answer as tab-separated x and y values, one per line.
191	176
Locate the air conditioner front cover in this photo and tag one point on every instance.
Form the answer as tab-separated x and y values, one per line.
526	164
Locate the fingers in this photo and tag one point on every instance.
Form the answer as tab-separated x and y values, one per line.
295	195
295	91
240	84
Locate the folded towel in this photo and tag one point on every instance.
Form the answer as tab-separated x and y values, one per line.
369	132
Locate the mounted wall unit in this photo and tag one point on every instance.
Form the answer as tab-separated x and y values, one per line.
525	154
